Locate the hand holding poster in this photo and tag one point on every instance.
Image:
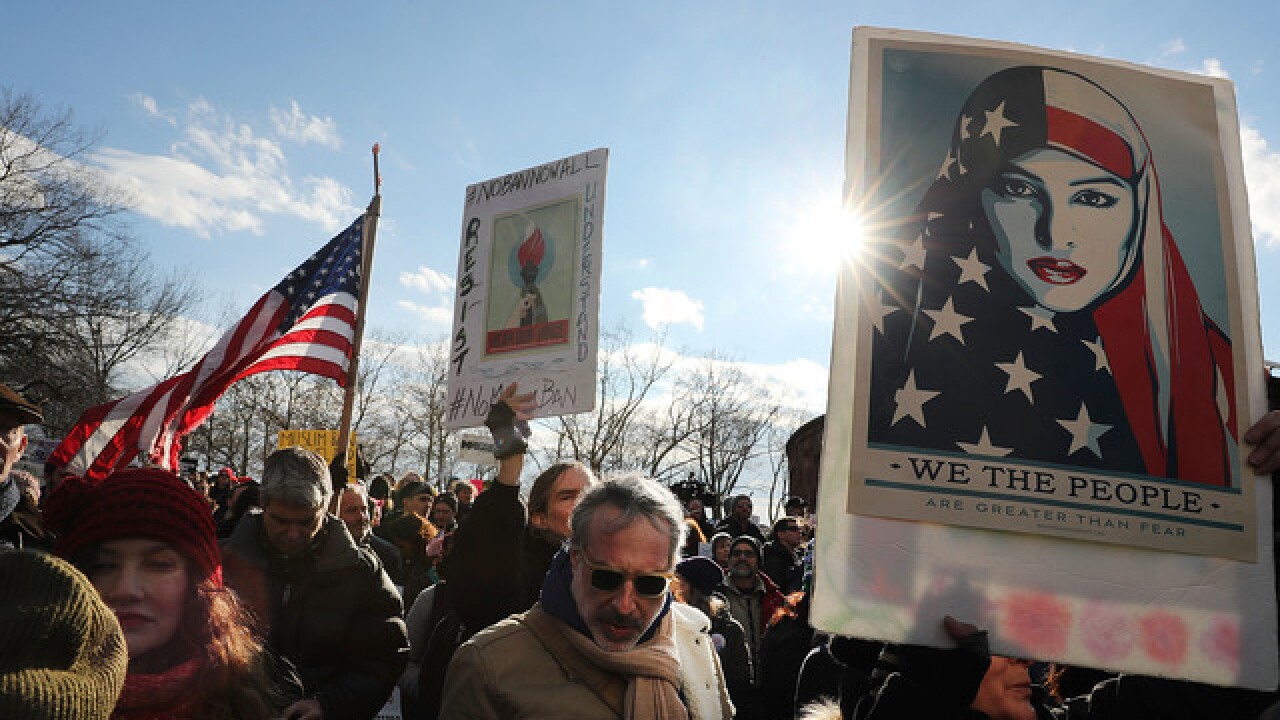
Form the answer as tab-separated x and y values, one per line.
528	289
1043	335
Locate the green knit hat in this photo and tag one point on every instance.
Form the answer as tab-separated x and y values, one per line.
63	653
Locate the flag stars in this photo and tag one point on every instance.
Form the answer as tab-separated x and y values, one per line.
909	401
996	123
984	446
1085	433
964	126
1100	361
972	270
1040	318
946	321
914	254
1020	377
877	310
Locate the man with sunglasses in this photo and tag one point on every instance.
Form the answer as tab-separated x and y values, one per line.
752	596
606	639
782	554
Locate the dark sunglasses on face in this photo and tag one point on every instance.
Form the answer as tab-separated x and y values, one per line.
742	553
607	579
789	528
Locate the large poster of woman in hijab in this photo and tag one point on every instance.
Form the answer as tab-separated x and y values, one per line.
1050	332
1047	294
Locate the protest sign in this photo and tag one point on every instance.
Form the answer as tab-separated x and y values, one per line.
476	448
1043	361
528	289
322	442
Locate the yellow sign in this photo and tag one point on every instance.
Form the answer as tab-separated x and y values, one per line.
323	443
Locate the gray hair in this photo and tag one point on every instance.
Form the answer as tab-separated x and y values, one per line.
635	496
296	476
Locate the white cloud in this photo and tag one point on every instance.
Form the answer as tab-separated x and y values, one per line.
427	280
1171	48
668	307
1213	68
223	176
435	315
1262	176
149	105
293	124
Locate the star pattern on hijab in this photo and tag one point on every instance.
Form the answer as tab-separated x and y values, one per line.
946	321
1085	433
1099	355
972	269
1020	377
910	401
984	446
995	123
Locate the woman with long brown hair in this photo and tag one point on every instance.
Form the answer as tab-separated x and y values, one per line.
146	541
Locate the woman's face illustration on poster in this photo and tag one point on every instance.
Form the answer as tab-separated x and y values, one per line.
1064	227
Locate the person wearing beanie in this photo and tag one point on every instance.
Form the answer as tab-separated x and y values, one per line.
697	583
752	596
64	656
15	413
324	603
146	541
720	543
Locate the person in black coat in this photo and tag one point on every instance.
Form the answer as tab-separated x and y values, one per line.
321	601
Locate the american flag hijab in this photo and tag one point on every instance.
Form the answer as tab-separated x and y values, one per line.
967	359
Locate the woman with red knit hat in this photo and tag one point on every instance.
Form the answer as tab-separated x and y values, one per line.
146	540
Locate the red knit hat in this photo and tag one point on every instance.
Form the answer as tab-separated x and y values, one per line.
134	503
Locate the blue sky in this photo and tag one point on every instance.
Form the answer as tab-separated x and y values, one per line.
243	131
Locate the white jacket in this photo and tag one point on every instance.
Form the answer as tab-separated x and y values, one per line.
701	679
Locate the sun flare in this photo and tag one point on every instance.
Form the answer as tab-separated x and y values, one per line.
825	235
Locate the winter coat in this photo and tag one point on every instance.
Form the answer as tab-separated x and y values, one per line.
753	609
498	562
506	673
331	611
736	530
735	659
782	566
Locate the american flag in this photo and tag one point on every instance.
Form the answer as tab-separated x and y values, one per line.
306	322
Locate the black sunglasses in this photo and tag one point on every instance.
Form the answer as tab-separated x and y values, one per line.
607	579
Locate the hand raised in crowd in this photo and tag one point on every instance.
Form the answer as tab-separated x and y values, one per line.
508	423
522	405
1265	438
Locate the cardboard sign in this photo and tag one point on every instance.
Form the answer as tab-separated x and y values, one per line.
322	442
1043	361
528	289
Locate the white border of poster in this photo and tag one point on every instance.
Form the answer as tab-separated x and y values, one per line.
528	289
1164	606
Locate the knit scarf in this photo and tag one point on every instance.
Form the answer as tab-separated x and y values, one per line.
159	695
638	684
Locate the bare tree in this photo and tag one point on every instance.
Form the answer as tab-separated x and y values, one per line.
600	438
730	416
78	298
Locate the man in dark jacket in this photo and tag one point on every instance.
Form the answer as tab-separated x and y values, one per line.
751	594
739	521
353	508
326	605
781	554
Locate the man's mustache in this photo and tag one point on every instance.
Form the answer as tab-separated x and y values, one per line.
613	617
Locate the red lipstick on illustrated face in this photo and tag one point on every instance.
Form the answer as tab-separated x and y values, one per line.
1056	271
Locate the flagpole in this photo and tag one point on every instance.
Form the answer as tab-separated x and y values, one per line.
366	277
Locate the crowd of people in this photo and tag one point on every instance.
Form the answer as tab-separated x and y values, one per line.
302	595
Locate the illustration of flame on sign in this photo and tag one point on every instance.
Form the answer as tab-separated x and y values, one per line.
531	292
